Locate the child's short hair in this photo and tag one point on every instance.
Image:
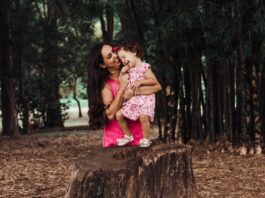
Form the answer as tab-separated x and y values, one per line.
134	47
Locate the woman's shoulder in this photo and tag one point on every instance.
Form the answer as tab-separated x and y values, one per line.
112	85
106	88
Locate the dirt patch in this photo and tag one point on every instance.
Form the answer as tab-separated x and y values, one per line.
40	166
220	174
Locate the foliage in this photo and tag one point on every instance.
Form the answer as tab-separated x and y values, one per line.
208	56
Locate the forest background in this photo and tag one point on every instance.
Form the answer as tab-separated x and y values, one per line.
207	55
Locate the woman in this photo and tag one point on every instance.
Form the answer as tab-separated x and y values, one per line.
106	91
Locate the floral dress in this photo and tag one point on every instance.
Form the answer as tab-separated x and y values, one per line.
141	104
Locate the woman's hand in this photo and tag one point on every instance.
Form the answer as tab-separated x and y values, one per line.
135	85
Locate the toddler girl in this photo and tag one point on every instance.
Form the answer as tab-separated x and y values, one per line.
140	107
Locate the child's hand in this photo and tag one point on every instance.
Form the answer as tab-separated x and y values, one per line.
124	70
136	85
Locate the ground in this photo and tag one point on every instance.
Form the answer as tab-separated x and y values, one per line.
39	165
228	174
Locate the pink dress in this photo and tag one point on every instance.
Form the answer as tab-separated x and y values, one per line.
112	130
142	104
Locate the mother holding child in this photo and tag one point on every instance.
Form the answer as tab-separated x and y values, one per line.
121	98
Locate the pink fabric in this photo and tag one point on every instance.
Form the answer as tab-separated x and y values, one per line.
112	130
142	104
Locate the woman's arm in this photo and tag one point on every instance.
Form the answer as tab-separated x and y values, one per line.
113	104
149	85
149	80
144	89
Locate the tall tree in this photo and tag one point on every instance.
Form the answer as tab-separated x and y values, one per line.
8	96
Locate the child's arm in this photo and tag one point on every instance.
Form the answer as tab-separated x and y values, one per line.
149	80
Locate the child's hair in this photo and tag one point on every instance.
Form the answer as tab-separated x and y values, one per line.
132	47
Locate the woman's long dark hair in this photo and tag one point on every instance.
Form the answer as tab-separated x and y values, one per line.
96	80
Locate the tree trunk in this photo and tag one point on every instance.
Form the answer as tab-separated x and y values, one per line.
53	110
103	29
110	22
137	23
8	96
203	104
165	108
241	97
187	100
183	120
77	101
262	96
158	115
107	29
8	103
194	64
210	103
24	103
219	100
163	170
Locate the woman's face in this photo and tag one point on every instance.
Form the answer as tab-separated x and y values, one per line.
110	58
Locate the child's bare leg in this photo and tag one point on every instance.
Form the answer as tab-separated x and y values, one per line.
145	123
123	123
124	126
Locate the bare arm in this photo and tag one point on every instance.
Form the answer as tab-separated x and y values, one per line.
146	89
149	80
113	104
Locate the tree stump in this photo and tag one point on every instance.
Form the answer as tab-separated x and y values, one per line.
163	170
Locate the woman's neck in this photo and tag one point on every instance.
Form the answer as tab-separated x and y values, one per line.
114	74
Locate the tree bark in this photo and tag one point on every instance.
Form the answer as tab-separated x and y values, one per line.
107	29
50	53
77	101
8	96
187	101
210	104
24	102
8	102
163	170
262	95
137	23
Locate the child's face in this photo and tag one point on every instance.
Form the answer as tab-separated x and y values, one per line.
127	58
